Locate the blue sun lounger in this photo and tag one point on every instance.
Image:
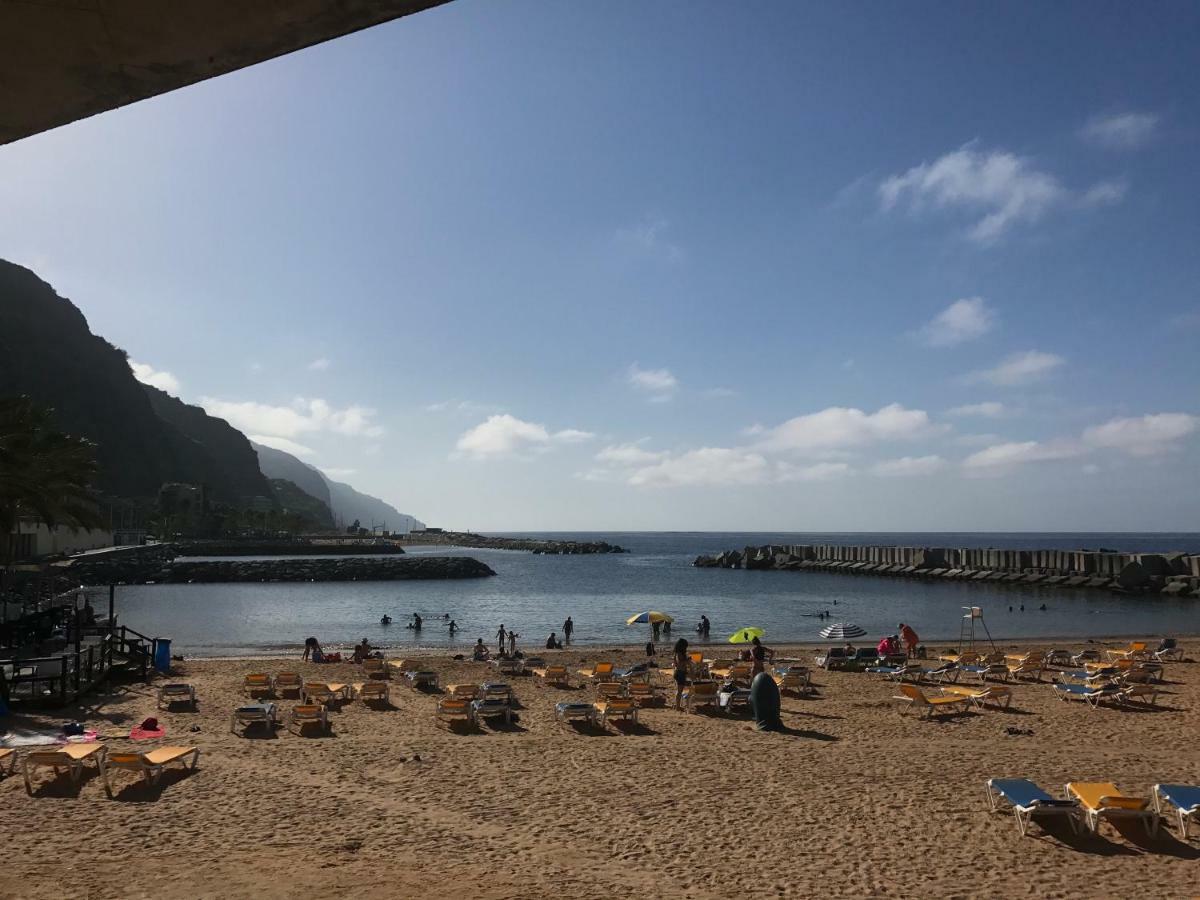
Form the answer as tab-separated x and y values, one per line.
1093	695
1029	800
1186	800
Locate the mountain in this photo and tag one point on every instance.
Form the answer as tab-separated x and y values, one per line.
143	437
346	503
296	502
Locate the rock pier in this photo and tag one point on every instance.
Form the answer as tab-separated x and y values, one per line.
532	545
1176	574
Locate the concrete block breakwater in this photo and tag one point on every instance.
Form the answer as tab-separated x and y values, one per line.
1168	573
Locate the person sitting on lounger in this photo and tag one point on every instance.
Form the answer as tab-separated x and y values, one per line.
362	651
482	653
553	643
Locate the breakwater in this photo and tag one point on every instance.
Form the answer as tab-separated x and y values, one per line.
532	545
160	571
287	548
1175	574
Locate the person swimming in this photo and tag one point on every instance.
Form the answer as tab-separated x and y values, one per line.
386	620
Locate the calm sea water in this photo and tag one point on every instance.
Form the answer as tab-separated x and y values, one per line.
534	594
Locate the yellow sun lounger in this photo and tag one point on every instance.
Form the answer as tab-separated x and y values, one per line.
993	693
149	765
307	714
257	684
320	692
700	693
552	675
914	698
616	708
71	758
288	683
9	754
599	672
644	693
374	667
368	691
452	708
1104	800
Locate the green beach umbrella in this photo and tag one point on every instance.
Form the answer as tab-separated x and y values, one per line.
652	616
745	635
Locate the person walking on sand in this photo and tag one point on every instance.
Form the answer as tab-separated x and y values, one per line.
758	656
568	628
679	661
909	638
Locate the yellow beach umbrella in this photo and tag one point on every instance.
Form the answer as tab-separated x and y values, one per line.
652	616
745	635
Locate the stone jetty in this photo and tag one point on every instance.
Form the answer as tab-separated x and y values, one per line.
158	569
1175	574
532	545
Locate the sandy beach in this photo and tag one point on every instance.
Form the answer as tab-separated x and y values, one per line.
852	799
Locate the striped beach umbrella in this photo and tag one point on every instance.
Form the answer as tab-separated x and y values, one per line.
648	617
841	631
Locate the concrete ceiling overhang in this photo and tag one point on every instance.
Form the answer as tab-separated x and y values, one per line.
63	60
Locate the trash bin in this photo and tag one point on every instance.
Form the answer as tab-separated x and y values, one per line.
162	655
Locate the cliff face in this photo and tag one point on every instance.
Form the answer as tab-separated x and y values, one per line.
293	500
346	503
143	437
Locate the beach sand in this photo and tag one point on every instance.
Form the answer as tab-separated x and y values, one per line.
853	799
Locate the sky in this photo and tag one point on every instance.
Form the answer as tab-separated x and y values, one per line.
702	266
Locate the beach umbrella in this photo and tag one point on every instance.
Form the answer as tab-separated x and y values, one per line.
745	635
841	631
652	616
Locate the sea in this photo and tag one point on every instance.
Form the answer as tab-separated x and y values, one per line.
534	594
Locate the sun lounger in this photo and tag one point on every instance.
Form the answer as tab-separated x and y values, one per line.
606	689
601	671
374	667
1057	657
966	658
566	712
468	690
1143	673
623	708
1029	668
1135	650
422	679
992	693
288	683
833	658
510	666
729	700
1029	801
553	675
1168	649
402	665
1146	694
8	760
176	693
253	714
1083	657
697	668
1104	800
257	684
307	714
450	709
319	692
796	679
984	671
738	672
643	693
492	707
700	693
898	673
943	673
914	698
149	765
1093	695
1186	800
70	758
372	691
1084	676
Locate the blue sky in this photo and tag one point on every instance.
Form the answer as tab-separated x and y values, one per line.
673	266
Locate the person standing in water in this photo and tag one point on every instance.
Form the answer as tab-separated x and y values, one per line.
512	642
568	629
655	628
453	627
500	635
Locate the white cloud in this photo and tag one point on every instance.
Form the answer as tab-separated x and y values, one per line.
908	466
649	238
963	320
1104	193
147	374
824	471
469	406
629	455
505	435
283	444
1121	131
839	428
988	409
303	416
706	466
1005	188
1019	368
1019	452
1143	436
977	440
659	384
319	365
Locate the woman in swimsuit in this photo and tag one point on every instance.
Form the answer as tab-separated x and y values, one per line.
680	661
